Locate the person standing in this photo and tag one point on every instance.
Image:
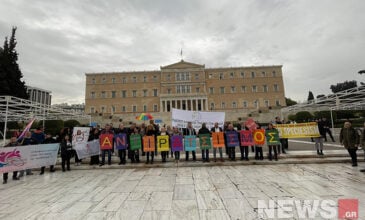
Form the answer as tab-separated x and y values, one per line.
94	135
28	140
66	148
107	130
216	128
349	138
189	130
13	143
164	153
272	146
150	132
231	150
244	149
176	132
205	153
258	148
327	129
48	140
122	152
283	141
319	140
362	142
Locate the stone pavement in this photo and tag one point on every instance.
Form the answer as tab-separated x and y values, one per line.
201	192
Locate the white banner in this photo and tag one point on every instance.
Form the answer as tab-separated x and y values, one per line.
91	148
80	137
180	118
27	157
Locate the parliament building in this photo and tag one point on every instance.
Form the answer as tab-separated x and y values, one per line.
187	86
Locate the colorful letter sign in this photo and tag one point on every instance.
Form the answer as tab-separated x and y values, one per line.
232	139
135	141
149	143
246	138
259	136
218	139
190	142
272	137
163	143
204	141
106	141
177	143
121	141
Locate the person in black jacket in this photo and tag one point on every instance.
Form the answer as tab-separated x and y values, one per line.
189	130
216	128
107	130
319	140
66	148
13	143
94	135
205	153
122	152
231	150
244	149
48	140
150	132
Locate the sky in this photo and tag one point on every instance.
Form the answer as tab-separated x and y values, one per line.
318	42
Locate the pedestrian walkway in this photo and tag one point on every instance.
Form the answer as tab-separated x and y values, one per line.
218	192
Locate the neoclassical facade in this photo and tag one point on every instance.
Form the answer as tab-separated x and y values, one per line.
185	85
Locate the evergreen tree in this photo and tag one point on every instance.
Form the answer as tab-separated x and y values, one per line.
10	74
310	96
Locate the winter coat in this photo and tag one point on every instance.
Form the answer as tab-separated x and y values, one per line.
349	138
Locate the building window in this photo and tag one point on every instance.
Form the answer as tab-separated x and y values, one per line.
92	95
265	88
155	108
113	94
267	103
134	108
231	75
277	102
196	76
221	76
222	90
155	92
92	110
252	74
134	93
183	89
211	90
112	109
263	74
155	78
254	88
223	105
211	105
93	81
242	75
168	91
168	77
144	78
256	103
145	108
144	92
243	88
233	89
234	105
102	109
104	80
273	73
124	94
124	80
245	104
103	94
182	76
197	90
210	76
276	88
134	79
123	109
113	80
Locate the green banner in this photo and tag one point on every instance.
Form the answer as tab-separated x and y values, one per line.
272	137
135	141
204	141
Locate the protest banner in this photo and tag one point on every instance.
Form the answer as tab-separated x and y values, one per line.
259	136
190	142
246	138
250	124
121	142
180	118
27	157
106	141
218	139
80	137
163	143
204	141
149	143
232	139
299	130
135	141
272	137
177	143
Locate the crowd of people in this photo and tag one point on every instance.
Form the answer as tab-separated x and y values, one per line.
349	137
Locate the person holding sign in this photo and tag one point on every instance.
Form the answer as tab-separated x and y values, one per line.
121	142
134	144
258	146
273	140
13	143
66	148
231	138
215	131
246	141
163	144
189	131
149	143
176	143
106	144
204	140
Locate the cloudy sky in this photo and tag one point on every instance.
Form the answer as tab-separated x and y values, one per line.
319	43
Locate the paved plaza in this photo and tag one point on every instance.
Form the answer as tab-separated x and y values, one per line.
216	192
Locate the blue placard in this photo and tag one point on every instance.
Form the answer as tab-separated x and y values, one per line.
121	141
190	143
232	139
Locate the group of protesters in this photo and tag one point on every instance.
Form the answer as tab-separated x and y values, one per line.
349	137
